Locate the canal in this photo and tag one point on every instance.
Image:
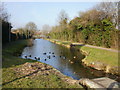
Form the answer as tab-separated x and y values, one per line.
67	61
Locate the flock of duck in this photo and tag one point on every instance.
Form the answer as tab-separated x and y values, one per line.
50	56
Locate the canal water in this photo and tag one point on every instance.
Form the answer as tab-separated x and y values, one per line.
67	61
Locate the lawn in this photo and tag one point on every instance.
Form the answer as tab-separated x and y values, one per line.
94	54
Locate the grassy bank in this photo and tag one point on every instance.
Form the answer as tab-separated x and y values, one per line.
11	52
108	59
100	55
25	73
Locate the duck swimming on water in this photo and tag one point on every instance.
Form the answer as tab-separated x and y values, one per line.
44	53
35	58
38	58
71	62
64	57
74	57
48	56
26	57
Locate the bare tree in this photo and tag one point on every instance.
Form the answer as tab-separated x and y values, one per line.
3	13
46	29
31	26
63	19
30	29
109	10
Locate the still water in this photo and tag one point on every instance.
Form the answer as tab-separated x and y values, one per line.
67	61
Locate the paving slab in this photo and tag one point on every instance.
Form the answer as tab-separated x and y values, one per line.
107	82
103	83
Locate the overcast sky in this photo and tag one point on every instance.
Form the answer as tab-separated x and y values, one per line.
43	12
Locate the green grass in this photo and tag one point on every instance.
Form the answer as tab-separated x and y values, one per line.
107	57
94	54
11	61
66	43
39	81
10	53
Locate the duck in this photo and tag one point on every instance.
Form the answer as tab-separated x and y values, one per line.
74	57
71	62
64	57
44	53
53	53
49	57
29	55
38	58
26	57
45	59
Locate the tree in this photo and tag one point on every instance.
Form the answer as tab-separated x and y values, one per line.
109	10
45	29
31	26
95	26
30	29
63	20
4	16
